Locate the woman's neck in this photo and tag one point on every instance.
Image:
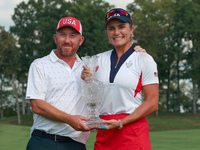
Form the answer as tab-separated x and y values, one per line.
120	50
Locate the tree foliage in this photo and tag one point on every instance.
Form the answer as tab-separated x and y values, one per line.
165	28
10	67
91	14
35	24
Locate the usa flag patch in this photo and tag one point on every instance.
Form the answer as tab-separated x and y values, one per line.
155	74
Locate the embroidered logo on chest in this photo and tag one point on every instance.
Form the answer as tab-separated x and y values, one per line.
128	64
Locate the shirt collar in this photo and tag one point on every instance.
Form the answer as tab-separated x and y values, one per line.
54	58
113	58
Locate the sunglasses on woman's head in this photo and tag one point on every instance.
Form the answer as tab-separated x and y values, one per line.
115	12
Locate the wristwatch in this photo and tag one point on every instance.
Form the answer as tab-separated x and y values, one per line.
120	124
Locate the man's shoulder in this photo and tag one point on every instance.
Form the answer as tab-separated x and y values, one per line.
42	60
106	53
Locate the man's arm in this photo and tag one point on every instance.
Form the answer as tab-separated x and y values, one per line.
50	112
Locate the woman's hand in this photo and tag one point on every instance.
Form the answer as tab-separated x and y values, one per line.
110	124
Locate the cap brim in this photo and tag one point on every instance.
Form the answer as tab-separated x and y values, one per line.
67	26
122	18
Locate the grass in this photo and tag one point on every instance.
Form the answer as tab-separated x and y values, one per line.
175	140
13	137
172	131
91	140
167	140
173	121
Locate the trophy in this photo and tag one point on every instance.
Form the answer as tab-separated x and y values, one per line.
92	91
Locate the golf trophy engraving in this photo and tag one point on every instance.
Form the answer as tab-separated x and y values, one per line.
92	92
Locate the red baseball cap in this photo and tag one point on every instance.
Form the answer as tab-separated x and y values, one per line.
70	21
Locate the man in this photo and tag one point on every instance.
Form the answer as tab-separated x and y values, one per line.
54	92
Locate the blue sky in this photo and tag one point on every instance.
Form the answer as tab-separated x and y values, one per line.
7	9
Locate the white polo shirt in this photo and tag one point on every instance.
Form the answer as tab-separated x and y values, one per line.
52	80
123	84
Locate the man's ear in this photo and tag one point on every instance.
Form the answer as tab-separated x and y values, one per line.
81	41
55	39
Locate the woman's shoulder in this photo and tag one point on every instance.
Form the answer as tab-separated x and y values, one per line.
142	55
142	58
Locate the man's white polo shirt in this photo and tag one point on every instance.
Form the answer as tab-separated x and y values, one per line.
52	80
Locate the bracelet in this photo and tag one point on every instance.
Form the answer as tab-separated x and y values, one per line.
120	124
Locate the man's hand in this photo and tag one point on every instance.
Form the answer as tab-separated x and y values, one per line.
86	72
50	112
139	49
76	122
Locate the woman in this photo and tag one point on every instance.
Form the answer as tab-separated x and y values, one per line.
128	78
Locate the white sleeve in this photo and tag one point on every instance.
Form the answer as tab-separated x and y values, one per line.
36	86
149	70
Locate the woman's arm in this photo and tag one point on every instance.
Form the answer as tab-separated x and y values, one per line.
150	105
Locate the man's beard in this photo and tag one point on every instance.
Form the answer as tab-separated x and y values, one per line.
67	54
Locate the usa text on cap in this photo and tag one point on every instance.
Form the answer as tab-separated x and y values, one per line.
70	21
